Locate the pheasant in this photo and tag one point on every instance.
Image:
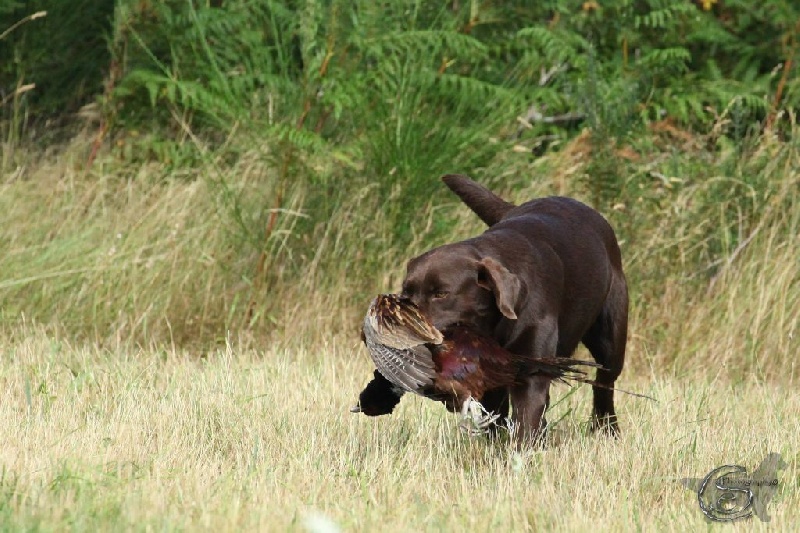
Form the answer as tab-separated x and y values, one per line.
456	366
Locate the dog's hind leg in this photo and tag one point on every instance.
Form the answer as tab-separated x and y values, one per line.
606	341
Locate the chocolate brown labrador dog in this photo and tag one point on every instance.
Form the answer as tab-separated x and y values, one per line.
544	277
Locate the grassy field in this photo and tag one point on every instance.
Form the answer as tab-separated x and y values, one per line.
263	441
158	376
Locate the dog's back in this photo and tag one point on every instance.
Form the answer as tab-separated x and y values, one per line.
556	220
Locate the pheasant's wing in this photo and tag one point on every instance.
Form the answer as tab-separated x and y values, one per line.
417	328
398	323
395	333
410	369
404	338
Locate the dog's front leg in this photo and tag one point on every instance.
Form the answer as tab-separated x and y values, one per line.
531	396
529	401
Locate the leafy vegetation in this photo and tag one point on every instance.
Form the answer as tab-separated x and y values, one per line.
281	148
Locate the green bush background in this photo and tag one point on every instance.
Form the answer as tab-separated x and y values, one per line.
252	166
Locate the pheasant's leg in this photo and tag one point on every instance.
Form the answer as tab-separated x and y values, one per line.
496	401
476	420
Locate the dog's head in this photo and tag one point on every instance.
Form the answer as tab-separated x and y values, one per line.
455	284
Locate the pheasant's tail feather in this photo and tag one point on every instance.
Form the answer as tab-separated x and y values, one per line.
565	369
562	367
594	383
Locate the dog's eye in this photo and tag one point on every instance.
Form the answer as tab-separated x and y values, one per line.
440	294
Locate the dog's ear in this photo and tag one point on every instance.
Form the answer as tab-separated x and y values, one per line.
504	284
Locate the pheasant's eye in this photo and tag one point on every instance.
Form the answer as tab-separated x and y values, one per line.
438	295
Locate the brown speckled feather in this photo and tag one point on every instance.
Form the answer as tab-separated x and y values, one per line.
399	324
396	333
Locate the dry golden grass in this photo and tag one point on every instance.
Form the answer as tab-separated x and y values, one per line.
263	440
121	254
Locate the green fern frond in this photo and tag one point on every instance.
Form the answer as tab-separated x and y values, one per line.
556	45
664	17
666	59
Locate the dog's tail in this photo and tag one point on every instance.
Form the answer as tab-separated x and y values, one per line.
483	202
